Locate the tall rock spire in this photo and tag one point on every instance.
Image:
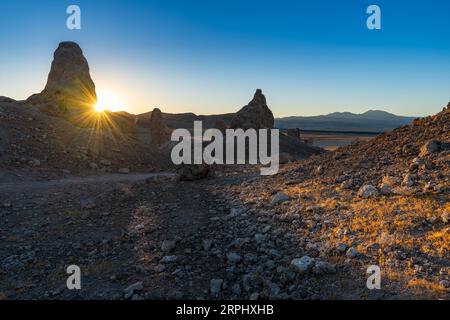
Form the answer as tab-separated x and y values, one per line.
69	82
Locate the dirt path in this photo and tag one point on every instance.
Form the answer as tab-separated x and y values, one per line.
71	181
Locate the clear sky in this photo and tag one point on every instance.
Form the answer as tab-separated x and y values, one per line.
209	56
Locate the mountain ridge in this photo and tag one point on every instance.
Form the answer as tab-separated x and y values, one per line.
368	121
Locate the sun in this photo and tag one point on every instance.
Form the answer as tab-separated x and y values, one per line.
108	101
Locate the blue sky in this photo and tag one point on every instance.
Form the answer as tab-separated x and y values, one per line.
308	57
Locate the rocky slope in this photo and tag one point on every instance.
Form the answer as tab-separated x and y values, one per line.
33	141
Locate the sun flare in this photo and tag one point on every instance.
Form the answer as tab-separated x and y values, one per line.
108	101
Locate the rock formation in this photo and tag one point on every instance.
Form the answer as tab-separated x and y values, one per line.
7	100
256	114
69	86
293	132
158	130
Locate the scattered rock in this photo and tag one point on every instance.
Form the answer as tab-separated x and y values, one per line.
386	189
341	248
124	170
323	267
280	197
352	253
130	290
206	244
169	259
105	162
445	216
368	191
302	265
216	287
408	180
168	245
429	148
88	203
233	257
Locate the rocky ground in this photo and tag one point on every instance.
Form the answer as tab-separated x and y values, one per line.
156	238
33	143
309	232
153	237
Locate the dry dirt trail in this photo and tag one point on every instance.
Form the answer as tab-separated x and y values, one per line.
11	187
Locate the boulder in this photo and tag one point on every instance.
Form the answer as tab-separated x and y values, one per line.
429	148
368	191
280	197
302	265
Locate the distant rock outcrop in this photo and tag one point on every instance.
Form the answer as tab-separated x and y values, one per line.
7	100
158	130
69	86
255	115
294	133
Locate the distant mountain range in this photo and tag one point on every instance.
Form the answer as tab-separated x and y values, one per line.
370	121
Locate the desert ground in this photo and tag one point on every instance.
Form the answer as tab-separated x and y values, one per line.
332	140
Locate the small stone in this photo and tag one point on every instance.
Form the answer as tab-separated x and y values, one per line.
408	180
347	184
323	267
34	163
134	287
341	248
280	197
216	287
88	203
236	289
386	189
368	191
445	284
254	296
391	180
137	297
93	165
105	162
206	244
233	257
169	259
320	170
445	216
168	245
352	253
124	171
302	265
429	148
160	268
